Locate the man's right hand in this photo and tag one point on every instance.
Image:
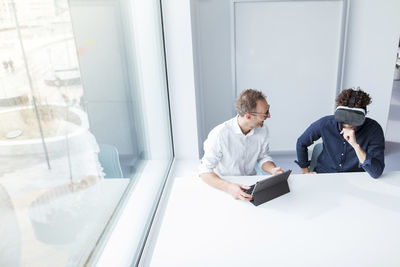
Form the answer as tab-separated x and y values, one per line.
307	171
236	191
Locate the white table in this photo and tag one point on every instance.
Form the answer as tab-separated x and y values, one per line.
347	219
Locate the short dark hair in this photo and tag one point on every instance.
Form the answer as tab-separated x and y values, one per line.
362	98
247	101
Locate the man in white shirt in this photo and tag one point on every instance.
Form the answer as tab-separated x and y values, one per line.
235	146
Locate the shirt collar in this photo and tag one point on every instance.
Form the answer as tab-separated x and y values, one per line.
236	127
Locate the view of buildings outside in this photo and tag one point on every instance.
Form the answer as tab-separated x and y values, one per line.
47	39
55	202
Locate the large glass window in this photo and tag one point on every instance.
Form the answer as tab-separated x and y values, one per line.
85	125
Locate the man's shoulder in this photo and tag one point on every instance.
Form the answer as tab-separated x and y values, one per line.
370	121
372	124
325	120
222	128
328	118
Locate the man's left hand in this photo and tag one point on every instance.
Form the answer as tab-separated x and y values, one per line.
276	170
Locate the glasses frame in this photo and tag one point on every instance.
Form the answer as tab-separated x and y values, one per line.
266	114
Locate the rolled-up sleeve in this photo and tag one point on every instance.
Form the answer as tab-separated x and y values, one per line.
311	134
374	163
264	154
212	153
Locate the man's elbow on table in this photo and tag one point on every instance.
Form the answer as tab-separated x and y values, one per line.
374	168
376	175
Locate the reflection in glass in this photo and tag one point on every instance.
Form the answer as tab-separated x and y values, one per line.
10	246
74	104
45	120
48	157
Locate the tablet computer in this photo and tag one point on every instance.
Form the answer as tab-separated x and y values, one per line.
269	188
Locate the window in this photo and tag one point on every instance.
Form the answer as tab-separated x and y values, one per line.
85	126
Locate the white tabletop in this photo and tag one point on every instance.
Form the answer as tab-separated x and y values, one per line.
347	219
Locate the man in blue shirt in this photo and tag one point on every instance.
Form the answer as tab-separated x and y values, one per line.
351	142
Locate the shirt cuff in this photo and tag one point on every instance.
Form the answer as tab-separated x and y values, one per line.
367	162
303	164
204	169
262	161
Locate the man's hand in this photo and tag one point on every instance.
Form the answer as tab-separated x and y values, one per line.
270	167
307	171
236	191
350	136
276	170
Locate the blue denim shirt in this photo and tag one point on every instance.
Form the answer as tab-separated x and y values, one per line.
337	154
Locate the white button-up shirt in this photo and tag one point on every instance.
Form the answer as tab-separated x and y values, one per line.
227	151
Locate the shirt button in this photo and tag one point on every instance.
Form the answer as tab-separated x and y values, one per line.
340	165
344	143
342	154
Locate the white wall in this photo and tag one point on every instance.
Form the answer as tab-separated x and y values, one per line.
373	36
373	32
213	63
179	55
289	50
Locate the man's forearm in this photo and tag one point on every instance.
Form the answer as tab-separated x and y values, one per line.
235	190
374	167
214	180
361	154
268	166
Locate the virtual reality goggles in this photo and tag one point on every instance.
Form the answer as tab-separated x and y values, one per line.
352	116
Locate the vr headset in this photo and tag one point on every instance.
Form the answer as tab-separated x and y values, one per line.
350	115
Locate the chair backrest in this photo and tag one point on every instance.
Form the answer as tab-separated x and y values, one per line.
109	160
314	157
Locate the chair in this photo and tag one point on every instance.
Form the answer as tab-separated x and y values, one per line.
314	156
109	160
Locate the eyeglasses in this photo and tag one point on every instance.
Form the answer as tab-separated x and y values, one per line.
266	114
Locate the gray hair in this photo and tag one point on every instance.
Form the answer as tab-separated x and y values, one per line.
247	101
